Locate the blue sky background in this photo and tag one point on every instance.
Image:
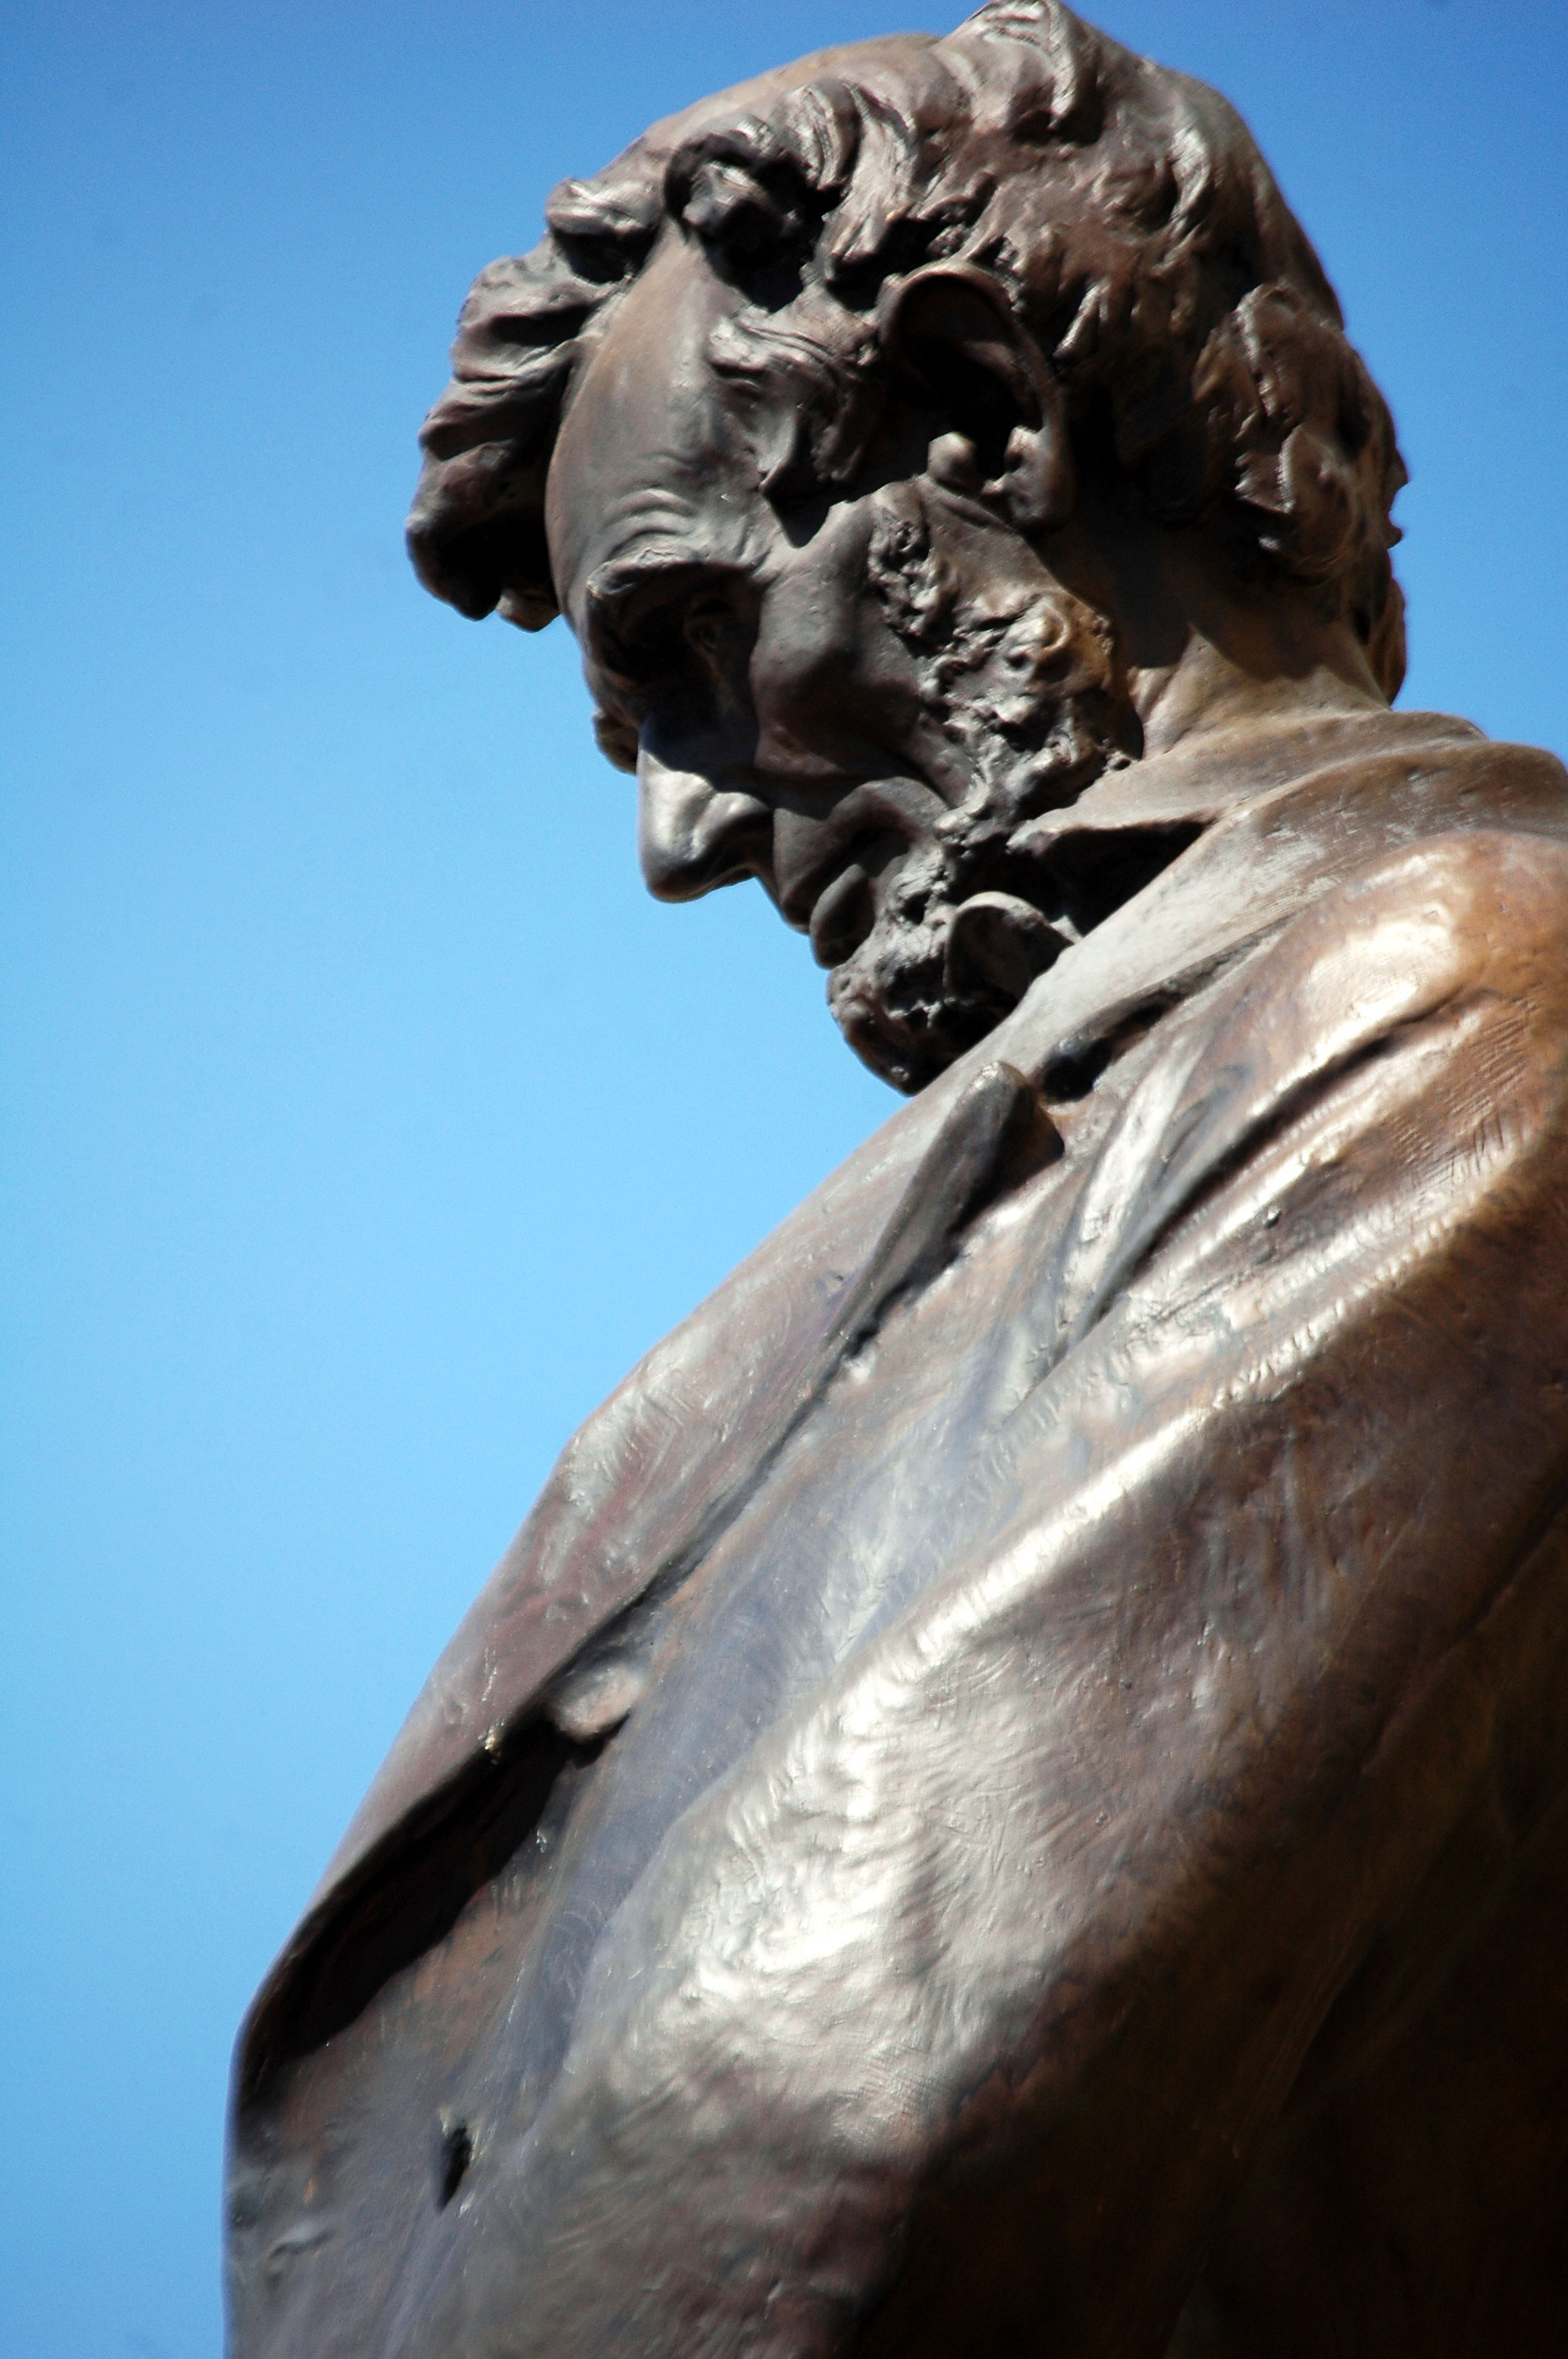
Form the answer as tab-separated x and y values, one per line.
363	1122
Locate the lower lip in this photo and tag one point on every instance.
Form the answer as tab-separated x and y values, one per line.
842	918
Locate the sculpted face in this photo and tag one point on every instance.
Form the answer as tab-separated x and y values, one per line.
862	421
854	700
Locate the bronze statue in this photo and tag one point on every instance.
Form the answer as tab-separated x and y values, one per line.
1007	1796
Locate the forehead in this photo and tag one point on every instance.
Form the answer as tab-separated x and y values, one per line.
649	455
657	450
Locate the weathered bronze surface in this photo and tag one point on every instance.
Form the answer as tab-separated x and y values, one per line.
1008	1796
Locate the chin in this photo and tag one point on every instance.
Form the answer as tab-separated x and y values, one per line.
901	1016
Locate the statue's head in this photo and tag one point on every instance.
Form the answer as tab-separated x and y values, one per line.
854	419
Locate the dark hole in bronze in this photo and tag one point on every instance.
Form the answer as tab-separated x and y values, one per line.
456	2153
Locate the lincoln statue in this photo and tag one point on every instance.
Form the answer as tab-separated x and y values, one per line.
1008	1800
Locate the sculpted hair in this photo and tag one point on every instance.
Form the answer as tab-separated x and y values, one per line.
1124	211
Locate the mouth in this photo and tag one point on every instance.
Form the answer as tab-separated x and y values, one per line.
828	867
836	902
843	914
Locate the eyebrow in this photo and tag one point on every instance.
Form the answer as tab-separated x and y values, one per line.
624	576
622	583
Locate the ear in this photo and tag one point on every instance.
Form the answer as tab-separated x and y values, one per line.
951	335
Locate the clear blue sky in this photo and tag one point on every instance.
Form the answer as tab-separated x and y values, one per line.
362	1122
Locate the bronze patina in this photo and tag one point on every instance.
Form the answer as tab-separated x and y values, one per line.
1008	1797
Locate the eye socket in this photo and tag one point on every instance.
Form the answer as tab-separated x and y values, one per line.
677	648
642	632
712	628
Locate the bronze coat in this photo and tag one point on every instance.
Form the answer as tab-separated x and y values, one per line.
1082	1600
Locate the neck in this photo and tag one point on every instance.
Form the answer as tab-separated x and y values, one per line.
1206	693
1203	652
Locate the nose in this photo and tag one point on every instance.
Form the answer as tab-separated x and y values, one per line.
694	835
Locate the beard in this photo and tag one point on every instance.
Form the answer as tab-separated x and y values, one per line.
965	919
949	955
899	1005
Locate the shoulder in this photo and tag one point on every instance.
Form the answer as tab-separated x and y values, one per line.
1396	1034
1399	940
1401	1029
1466	901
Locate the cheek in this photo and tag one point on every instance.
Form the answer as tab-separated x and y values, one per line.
832	687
